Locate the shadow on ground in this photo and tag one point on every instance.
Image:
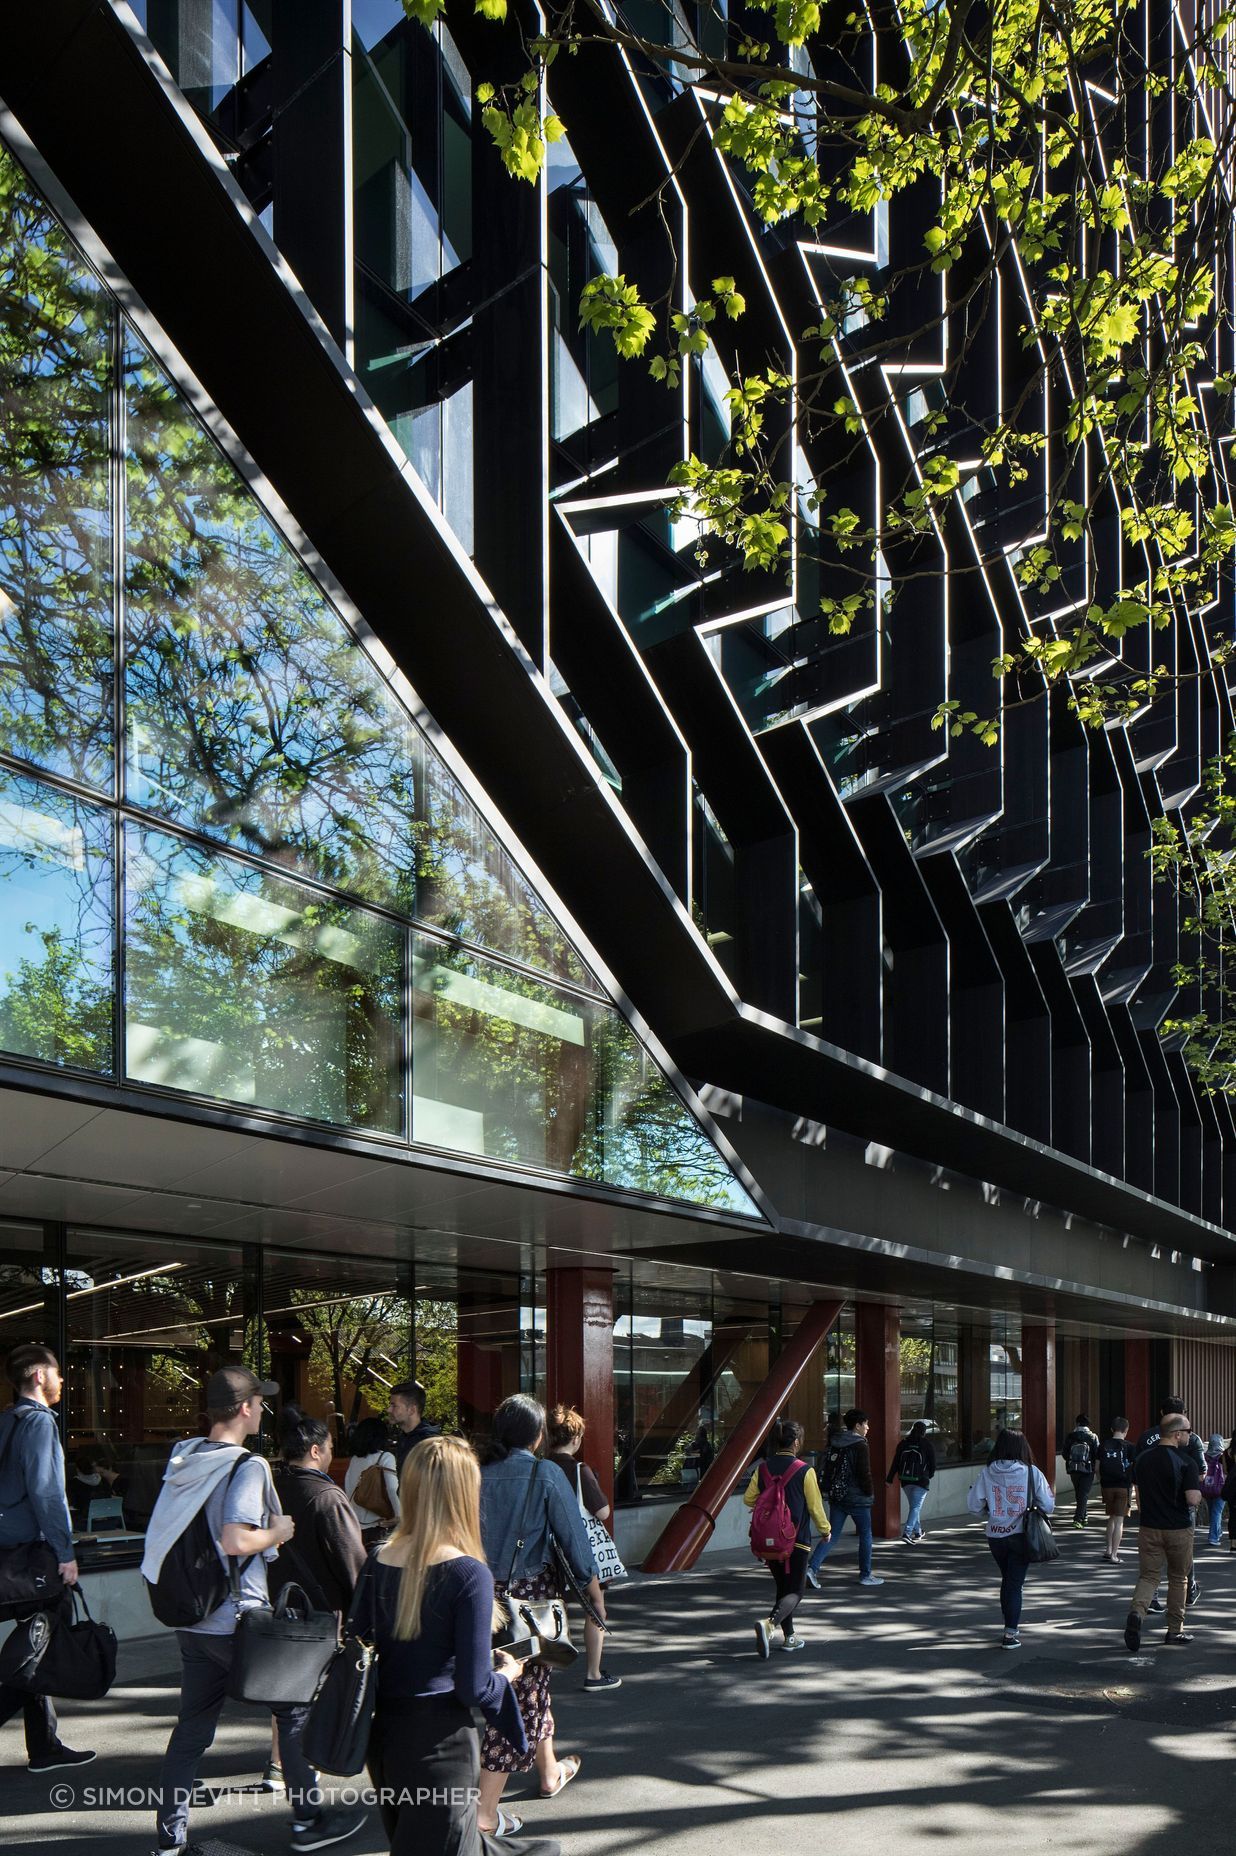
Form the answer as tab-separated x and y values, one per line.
902	1722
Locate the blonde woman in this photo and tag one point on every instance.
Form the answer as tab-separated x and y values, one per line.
426	1598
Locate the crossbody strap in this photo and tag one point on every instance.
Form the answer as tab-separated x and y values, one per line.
520	1534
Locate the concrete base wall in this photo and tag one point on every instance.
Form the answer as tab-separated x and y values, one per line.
636	1529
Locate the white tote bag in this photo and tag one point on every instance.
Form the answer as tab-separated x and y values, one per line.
610	1568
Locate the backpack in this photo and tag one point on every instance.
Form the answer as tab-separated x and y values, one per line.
1215	1477
774	1531
192	1580
1115	1457
1079	1457
838	1472
913	1467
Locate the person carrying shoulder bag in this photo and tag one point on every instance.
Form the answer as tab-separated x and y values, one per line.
527	1508
34	1510
219	1476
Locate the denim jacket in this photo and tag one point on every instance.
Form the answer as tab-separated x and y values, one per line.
504	1490
32	1497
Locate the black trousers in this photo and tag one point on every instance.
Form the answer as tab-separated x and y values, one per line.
425	1764
1082	1486
790	1579
40	1719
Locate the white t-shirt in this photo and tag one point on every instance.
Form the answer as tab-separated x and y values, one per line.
356	1469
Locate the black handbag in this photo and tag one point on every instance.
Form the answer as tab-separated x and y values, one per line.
57	1653
543	1618
1038	1541
336	1736
29	1579
280	1652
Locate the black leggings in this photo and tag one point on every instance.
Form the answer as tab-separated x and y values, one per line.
790	1578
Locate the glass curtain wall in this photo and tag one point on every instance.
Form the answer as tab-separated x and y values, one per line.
961	1374
140	1323
271	820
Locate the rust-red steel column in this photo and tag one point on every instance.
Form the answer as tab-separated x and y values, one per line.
1137	1385
1038	1393
683	1539
579	1358
877	1341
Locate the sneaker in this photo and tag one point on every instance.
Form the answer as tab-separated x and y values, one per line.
1156	1604
272	1779
1180	1636
1133	1633
59	1757
1195	1591
763	1637
907	1540
179	1849
1010	1641
792	1643
871	1579
813	1578
604	1680
330	1827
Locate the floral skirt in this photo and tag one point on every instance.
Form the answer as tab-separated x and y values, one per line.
531	1692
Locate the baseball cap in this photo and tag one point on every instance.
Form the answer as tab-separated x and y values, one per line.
232	1385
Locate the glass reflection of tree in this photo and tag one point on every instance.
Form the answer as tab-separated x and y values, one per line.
55	528
279	1022
598	1109
55	927
252	713
353	1337
468	886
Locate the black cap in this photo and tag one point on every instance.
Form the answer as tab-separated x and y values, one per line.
233	1385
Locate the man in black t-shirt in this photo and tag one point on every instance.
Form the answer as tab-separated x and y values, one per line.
1168	1489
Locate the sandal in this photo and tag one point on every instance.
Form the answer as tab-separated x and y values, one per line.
508	1825
567	1768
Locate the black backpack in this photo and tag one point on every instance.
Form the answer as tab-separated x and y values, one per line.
838	1472
1079	1456
192	1580
913	1465
1114	1460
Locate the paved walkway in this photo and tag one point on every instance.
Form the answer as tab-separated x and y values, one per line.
902	1725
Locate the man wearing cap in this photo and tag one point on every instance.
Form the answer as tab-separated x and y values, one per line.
246	1522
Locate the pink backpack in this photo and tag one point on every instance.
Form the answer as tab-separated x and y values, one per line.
774	1531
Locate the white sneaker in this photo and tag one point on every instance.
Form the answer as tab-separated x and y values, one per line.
792	1643
813	1578
763	1637
871	1579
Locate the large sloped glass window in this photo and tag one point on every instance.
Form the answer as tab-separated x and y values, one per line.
56	647
469	887
252	713
515	1070
247	987
56	925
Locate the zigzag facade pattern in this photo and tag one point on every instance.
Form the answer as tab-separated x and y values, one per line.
979	922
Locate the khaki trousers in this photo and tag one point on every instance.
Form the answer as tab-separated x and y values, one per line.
1158	1547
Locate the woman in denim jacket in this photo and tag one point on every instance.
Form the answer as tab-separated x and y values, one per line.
527	1572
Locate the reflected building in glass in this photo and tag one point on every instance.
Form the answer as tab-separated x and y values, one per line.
446	929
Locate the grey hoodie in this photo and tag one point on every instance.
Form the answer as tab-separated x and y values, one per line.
191	1477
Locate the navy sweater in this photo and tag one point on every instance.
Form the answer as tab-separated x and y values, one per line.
452	1654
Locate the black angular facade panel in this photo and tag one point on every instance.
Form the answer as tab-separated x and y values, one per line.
817	900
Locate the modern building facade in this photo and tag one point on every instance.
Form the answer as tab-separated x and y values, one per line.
444	924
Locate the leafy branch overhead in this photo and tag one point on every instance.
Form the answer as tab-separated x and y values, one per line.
1006	125
1017	221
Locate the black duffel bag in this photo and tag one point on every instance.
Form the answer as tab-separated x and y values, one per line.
57	1653
280	1654
336	1736
29	1579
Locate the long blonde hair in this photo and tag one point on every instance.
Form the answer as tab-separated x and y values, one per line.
439	1506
